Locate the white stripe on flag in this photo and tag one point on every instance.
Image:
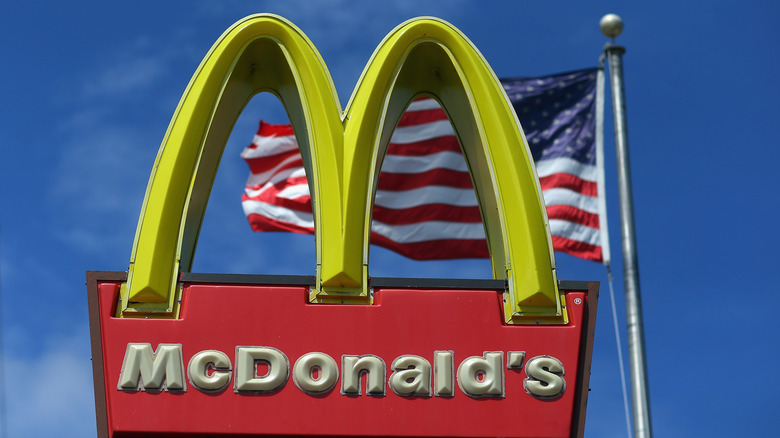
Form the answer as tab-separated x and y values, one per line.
293	172
294	192
427	131
418	164
552	166
426	195
558	196
574	231
294	217
427	231
268	146
424	104
257	179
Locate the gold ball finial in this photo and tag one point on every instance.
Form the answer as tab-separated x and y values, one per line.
611	25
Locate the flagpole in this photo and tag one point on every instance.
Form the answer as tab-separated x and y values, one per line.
611	26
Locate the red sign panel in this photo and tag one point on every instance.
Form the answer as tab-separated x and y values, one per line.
250	355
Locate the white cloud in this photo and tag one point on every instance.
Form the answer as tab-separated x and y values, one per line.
106	145
136	70
126	76
51	390
98	186
104	169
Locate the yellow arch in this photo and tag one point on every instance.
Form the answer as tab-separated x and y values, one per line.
258	53
430	56
342	154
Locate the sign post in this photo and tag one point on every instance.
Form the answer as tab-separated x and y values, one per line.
341	353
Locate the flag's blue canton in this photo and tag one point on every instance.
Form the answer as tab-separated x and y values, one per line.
557	113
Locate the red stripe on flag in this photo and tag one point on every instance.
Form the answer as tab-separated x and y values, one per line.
577	249
281	185
259	222
264	164
436	249
447	143
412	118
300	203
428	212
569	181
271	130
573	214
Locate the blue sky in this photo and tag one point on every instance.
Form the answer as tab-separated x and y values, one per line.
89	88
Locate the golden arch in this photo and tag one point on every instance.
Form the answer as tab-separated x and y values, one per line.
342	154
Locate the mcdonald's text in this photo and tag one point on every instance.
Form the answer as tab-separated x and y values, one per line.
263	369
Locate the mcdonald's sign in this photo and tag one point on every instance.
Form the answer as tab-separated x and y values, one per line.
177	353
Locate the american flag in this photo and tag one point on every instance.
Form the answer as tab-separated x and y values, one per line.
425	207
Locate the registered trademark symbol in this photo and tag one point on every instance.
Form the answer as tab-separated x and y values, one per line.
578	301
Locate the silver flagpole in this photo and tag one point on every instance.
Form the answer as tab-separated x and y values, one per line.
611	26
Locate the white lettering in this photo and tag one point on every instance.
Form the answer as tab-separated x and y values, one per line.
247	359
443	370
163	367
315	373
411	376
515	359
545	377
352	367
482	376
267	369
209	370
